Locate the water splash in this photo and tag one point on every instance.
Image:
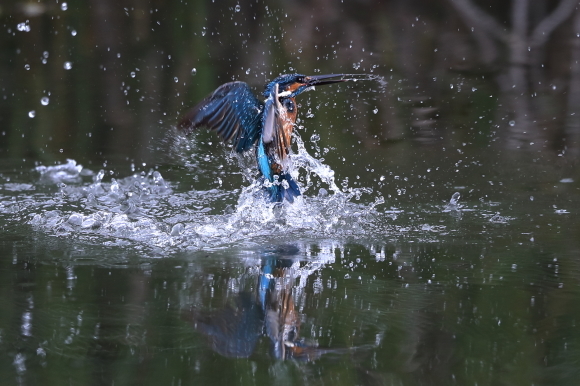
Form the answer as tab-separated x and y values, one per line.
357	77
453	205
144	208
216	201
67	173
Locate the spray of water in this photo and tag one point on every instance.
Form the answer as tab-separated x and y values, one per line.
145	208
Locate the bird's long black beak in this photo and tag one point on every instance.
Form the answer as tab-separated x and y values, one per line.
319	80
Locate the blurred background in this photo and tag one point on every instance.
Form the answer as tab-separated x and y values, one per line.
103	78
436	242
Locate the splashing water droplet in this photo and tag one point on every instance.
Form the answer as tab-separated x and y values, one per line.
237	8
455	198
44	101
248	71
27	67
73	32
193	71
64	6
376	110
32	113
512	123
177	229
132	74
23	27
176	79
453	203
67	65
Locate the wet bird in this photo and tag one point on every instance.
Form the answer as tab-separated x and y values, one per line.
240	117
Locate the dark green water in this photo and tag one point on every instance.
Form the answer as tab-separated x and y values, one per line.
437	241
95	289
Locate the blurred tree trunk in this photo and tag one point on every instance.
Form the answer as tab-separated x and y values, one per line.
523	127
518	45
573	116
519	42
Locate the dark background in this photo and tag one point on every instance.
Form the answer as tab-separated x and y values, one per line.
483	70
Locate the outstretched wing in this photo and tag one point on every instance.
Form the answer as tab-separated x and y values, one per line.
233	111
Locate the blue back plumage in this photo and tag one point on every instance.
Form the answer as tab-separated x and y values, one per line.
263	161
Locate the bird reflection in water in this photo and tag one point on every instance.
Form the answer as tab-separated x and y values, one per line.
235	330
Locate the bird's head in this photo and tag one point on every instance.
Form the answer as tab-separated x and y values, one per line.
291	85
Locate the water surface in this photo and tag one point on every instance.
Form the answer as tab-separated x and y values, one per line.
180	273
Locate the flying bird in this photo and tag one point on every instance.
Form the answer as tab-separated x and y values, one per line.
239	117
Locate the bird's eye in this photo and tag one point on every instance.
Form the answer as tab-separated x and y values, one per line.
288	105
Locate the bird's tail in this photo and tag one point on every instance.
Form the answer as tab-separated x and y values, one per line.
284	188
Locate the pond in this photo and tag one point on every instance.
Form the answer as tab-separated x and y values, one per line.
436	241
140	278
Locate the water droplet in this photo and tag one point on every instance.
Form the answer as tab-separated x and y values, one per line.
237	8
248	71
64	6
177	229
44	101
73	32
132	74
512	123
23	27
176	79
193	71
376	110
455	198
27	67
99	177
453	205
32	113
67	65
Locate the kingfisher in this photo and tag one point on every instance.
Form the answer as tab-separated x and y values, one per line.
239	117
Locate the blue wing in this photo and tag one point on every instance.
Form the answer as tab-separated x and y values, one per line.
233	111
